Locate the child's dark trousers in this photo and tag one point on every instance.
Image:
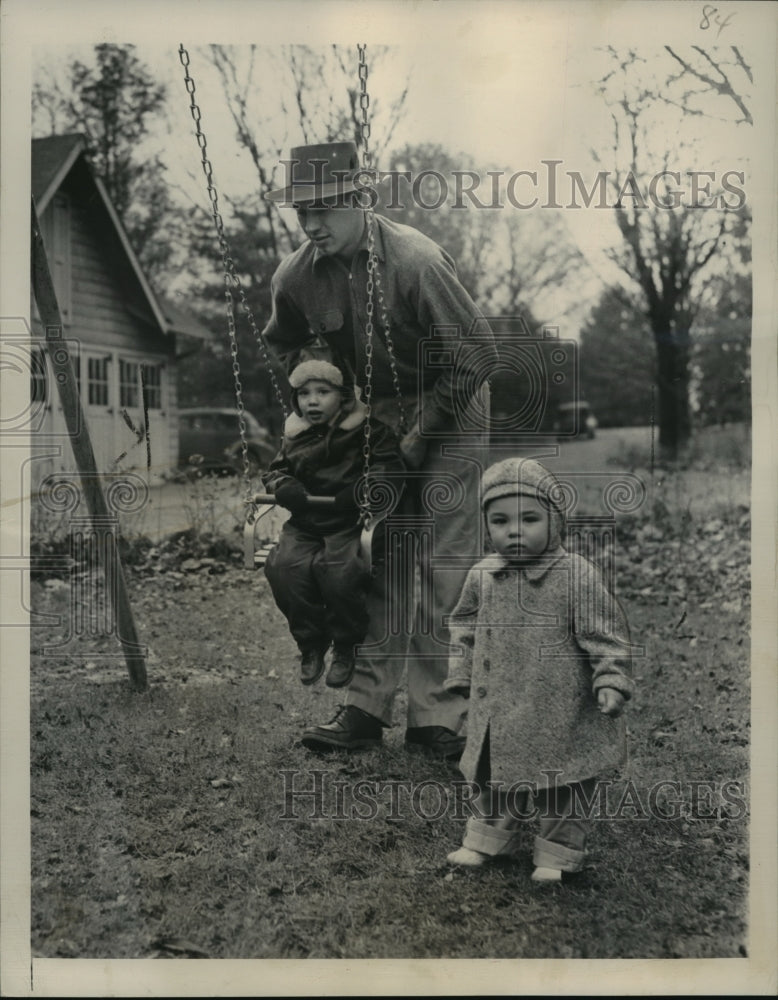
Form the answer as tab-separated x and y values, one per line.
319	583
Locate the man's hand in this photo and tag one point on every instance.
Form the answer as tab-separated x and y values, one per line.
610	701
413	447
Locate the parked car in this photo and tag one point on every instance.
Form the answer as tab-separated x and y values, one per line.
575	420
209	439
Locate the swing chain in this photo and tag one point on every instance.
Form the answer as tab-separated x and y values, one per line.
231	280
364	103
367	394
373	289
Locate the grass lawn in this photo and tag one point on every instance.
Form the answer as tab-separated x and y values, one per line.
162	824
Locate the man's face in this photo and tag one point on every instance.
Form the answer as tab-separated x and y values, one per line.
318	401
334	230
518	527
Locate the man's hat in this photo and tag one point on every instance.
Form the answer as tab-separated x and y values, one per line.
317	172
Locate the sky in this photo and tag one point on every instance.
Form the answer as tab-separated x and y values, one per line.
509	91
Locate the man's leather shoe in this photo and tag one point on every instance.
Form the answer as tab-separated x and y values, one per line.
311	665
341	668
351	729
436	741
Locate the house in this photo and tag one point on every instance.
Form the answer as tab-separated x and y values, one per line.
122	334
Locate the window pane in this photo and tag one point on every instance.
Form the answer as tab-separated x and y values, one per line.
151	376
97	374
128	383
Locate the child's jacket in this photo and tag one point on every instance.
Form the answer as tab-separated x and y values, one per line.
328	458
537	644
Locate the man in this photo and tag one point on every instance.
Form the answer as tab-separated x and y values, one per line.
320	310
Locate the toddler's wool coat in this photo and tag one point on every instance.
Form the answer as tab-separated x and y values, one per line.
537	644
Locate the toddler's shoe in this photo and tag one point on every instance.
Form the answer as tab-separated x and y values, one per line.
546	875
468	858
311	665
341	668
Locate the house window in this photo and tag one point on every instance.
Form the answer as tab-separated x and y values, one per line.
128	383
152	380
97	381
38	387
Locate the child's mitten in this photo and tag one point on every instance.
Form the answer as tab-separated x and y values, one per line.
292	495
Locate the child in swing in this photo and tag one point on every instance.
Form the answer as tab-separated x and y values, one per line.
316	571
543	654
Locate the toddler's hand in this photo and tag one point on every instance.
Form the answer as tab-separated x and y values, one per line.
292	495
610	701
458	685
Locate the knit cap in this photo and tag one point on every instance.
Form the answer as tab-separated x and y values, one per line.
525	477
315	369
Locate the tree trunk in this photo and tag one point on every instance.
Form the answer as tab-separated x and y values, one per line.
673	392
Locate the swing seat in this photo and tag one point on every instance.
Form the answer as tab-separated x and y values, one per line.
255	554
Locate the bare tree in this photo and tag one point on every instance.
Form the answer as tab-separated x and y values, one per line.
703	73
539	257
113	103
667	248
313	94
507	259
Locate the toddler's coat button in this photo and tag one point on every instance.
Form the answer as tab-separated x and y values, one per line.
481	692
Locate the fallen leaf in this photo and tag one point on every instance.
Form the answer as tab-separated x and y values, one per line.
180	947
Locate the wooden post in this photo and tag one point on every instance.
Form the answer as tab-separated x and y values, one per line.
64	376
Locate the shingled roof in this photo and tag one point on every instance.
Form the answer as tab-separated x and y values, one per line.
53	158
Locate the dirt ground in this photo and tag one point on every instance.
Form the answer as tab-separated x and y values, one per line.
155	818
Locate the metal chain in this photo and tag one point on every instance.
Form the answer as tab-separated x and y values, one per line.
373	288
389	344
231	279
364	103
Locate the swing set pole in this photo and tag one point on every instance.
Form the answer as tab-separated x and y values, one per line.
59	355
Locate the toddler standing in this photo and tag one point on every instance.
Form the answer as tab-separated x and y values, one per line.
316	572
545	657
